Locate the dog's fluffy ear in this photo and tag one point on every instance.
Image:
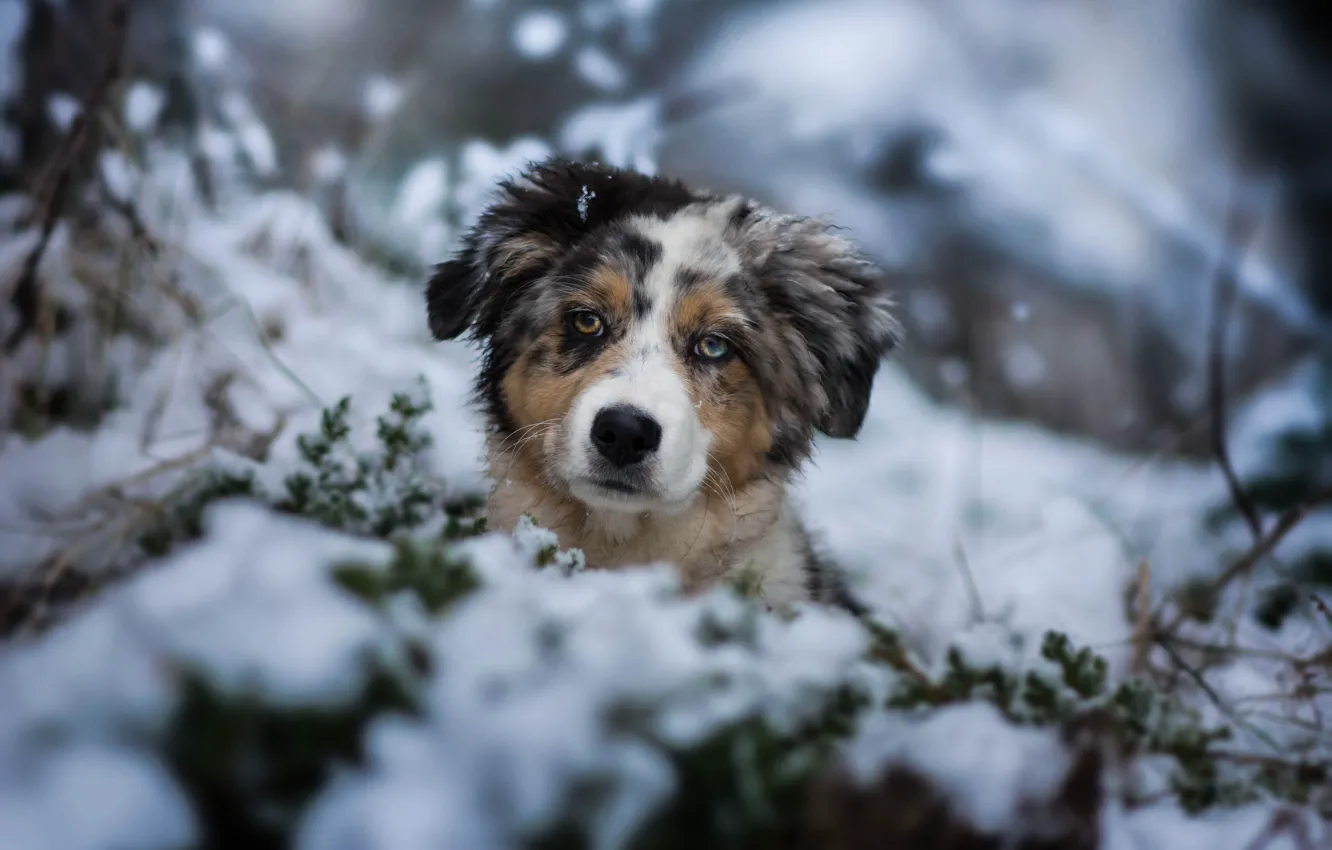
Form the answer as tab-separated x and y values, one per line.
534	220
453	296
839	305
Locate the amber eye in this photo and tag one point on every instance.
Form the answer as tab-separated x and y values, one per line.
712	347
586	323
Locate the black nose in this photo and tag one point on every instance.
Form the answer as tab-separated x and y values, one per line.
624	435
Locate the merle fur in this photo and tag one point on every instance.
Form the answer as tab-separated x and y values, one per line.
819	309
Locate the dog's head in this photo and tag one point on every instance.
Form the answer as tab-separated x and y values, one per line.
642	339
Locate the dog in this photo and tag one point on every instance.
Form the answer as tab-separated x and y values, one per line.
656	363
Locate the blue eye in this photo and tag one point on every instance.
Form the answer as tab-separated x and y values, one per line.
712	348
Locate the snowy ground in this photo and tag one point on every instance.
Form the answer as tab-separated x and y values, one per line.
958	531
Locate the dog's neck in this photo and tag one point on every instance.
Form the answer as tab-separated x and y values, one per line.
714	538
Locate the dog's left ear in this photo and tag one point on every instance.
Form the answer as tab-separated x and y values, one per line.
839	303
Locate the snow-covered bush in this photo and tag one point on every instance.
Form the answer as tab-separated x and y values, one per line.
301	684
249	599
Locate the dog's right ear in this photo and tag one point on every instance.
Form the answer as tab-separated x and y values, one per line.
453	296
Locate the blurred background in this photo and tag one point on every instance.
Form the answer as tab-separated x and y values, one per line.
1060	188
1048	180
1108	222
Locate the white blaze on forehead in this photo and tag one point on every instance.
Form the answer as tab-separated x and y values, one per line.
652	376
688	240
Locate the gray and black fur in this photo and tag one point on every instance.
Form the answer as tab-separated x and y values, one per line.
808	317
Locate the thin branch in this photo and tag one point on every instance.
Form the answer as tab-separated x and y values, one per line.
1142	627
1285	822
1209	593
1269	541
81	138
1238	228
1201	681
969	581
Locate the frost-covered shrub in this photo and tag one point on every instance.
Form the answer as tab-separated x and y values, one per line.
378	493
303	682
690	721
366	493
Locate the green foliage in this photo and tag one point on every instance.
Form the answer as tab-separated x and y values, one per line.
183	518
381	493
747	785
250	767
1144	719
376	493
435	574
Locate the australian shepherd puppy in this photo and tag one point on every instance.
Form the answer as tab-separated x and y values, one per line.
657	361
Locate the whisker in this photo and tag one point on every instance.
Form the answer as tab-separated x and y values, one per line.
727	492
522	437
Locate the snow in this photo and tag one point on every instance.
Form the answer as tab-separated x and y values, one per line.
269	620
117	174
90	797
985	766
625	133
961	533
539	34
1024	366
584	202
217	144
423	192
1162	828
1045	529
210	49
483	165
328	164
598	68
62	110
974	534
418	210
526	721
382	97
252	137
143	104
1122	173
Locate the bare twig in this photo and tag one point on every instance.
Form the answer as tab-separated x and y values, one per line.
1142	627
81	139
1209	593
1238	230
969	579
1201	681
1287	822
1269	541
1321	606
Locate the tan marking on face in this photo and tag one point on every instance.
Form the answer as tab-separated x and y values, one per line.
726	397
537	392
703	307
611	292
